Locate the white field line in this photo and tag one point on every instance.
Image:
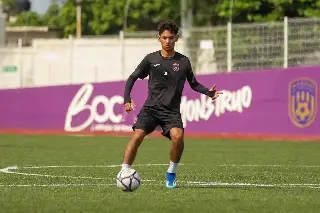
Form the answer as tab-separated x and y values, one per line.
266	165
203	185
146	165
55	176
89	166
53	185
8	170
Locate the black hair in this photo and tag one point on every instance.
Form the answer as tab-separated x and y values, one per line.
168	25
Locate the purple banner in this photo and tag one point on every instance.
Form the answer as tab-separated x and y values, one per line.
254	102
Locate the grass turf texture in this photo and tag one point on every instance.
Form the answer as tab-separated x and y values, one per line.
286	175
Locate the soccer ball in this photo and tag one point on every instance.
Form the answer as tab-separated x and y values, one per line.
128	180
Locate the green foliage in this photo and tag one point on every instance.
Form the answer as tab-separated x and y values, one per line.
28	19
211	12
68	18
8	3
100	17
52	17
8	7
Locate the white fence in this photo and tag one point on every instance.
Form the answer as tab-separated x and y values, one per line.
217	49
257	46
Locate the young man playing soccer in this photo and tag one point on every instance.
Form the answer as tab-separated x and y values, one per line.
167	70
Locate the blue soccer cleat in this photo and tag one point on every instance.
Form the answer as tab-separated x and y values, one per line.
171	180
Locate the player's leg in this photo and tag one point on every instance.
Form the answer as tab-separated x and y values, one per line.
176	151
132	146
177	147
173	130
144	125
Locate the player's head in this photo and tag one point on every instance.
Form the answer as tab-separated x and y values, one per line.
168	34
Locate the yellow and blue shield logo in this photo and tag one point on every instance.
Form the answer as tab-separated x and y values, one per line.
303	102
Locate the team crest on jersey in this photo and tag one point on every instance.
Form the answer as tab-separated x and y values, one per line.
303	102
175	67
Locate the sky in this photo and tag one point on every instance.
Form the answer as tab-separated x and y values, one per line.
40	6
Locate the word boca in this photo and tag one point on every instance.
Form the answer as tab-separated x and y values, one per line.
202	109
80	104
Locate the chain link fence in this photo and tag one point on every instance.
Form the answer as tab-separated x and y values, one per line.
303	41
238	47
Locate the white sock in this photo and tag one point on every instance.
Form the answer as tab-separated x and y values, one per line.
125	166
173	167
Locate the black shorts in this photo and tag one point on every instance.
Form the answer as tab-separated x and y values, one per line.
150	117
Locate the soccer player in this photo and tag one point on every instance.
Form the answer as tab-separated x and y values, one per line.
167	70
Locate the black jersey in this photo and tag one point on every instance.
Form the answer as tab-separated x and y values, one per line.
167	77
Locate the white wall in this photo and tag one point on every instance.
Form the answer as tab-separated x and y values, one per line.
68	61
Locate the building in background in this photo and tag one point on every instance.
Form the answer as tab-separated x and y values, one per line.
16	36
23	35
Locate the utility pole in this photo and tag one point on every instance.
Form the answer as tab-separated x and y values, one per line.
2	26
79	28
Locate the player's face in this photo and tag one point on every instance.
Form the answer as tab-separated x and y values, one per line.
168	40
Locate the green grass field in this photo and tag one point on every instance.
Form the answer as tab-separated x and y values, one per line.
76	174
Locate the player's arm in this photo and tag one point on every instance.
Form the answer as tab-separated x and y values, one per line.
141	72
195	85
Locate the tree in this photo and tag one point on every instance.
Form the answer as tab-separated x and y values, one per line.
52	16
8	7
28	19
267	10
8	3
102	17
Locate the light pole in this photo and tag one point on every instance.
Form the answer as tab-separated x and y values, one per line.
78	3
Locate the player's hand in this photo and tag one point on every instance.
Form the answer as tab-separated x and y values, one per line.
217	93
129	106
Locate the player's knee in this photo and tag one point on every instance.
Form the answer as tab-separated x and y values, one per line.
176	135
138	135
177	138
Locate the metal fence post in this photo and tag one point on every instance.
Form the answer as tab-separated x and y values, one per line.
285	45
229	43
20	62
122	54
71	49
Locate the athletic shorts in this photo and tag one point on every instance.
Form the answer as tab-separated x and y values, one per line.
149	118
